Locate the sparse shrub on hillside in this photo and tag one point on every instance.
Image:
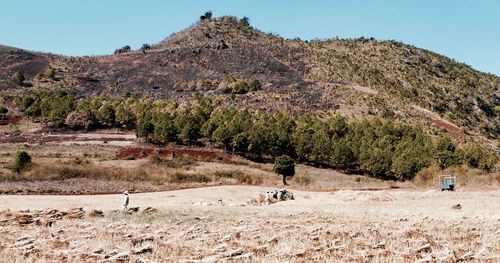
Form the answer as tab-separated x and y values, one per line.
18	78
21	160
284	166
123	49
255	85
50	73
245	21
240	87
145	47
207	15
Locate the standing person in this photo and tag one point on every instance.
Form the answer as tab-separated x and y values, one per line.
125	201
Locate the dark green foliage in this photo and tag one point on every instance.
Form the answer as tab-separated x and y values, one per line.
21	159
284	166
145	47
385	149
245	21
445	154
478	158
3	111
207	15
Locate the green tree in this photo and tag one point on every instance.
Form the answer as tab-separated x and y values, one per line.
164	129
284	166
444	153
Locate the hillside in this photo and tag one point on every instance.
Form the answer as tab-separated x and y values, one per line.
355	78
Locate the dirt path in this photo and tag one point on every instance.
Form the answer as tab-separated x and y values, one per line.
386	203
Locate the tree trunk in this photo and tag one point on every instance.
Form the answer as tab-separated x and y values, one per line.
284	180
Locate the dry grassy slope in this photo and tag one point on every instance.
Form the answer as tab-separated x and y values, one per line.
352	77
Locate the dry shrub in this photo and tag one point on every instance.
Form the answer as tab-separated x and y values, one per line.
251	179
177	162
227	174
466	177
303	179
188	178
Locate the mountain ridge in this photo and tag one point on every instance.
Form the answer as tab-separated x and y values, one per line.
355	78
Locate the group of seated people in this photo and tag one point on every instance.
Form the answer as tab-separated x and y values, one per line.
275	195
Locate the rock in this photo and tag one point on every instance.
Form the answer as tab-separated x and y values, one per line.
140	240
225	239
245	256
98	251
425	247
380	245
96	213
467	256
220	249
236	252
456	206
315	238
133	210
75	213
143	250
120	257
149	210
24	219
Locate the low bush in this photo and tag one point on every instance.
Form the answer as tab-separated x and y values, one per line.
189	178
21	160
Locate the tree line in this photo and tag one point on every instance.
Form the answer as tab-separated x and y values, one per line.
379	147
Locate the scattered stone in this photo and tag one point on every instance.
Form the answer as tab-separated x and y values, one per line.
96	213
143	250
456	206
225	239
220	249
380	245
133	210
140	240
426	247
245	256
119	257
236	252
149	210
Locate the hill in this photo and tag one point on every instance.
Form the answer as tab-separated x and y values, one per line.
221	57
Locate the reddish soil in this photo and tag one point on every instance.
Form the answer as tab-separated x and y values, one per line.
10	120
195	153
448	126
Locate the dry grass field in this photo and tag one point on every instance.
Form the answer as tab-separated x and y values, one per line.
191	226
51	211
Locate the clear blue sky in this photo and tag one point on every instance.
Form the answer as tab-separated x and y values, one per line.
466	30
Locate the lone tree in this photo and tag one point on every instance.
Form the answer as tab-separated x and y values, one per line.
245	21
207	15
21	159
285	166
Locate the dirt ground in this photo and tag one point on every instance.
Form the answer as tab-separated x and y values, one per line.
192	226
